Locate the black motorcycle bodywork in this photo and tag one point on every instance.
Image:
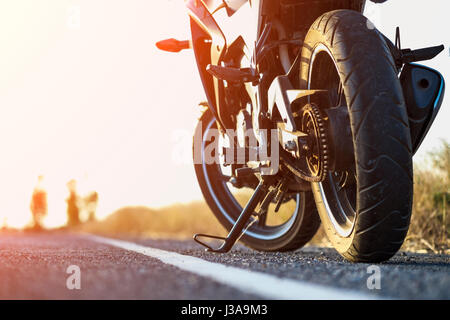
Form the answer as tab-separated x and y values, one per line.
212	46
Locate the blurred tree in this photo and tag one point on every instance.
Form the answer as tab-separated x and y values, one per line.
38	205
73	211
90	202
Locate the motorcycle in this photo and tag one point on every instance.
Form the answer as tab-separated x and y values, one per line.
312	116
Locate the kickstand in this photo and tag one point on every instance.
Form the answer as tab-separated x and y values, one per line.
238	228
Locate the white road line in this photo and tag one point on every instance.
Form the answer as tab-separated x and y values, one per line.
261	284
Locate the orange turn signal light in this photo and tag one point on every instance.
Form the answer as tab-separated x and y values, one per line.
173	45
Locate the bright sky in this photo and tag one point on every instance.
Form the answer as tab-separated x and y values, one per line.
84	94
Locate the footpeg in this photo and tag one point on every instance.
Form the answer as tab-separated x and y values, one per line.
407	55
246	171
232	74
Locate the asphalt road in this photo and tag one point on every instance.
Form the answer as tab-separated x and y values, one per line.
34	266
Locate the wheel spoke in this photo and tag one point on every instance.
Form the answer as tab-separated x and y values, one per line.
340	95
262	220
224	177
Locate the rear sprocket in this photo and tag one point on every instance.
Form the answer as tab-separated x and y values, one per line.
315	151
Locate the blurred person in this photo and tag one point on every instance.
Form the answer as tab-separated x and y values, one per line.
91	201
73	211
38	205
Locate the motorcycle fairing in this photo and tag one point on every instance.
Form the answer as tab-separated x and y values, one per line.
209	44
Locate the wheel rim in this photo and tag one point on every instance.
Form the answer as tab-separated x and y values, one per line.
339	189
230	207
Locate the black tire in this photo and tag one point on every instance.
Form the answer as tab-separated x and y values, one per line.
303	227
383	171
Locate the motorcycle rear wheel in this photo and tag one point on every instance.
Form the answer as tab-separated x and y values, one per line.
367	220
